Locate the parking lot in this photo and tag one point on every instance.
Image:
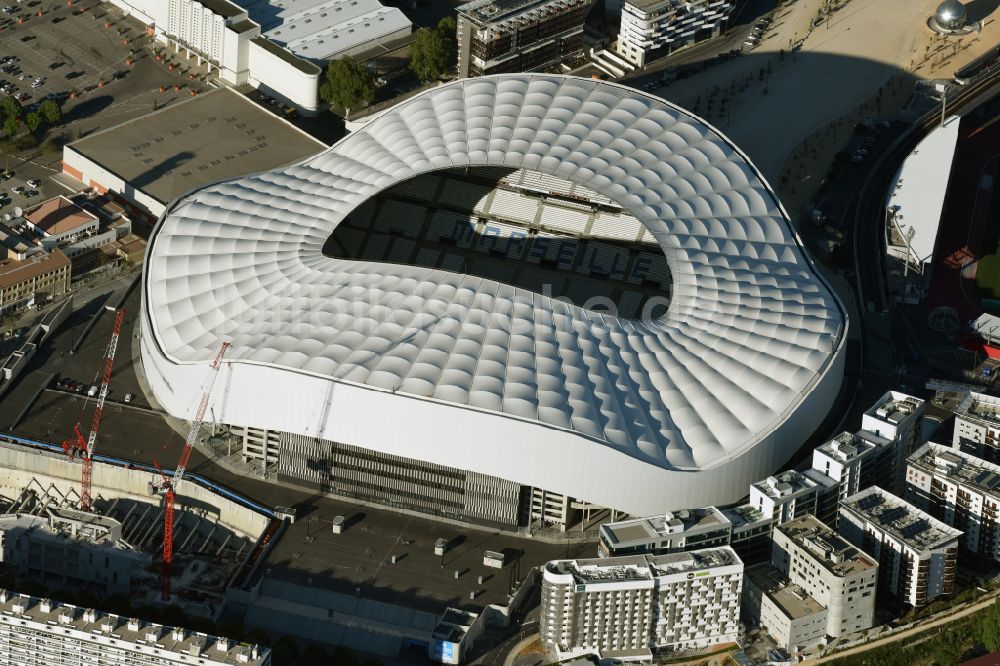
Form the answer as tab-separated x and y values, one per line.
82	55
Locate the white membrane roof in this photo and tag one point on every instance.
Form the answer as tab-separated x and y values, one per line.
921	185
750	328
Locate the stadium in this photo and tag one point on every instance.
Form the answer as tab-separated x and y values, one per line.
508	299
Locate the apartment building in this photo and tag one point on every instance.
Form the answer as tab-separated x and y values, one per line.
651	29
836	573
977	426
899	418
852	462
498	36
32	279
786	495
916	553
674	531
788	614
40	632
634	607
960	490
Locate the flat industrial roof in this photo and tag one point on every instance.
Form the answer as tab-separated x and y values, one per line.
320	29
209	138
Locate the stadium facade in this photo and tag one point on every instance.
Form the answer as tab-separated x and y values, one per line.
508	298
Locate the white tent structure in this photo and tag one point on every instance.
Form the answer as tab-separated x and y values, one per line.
638	415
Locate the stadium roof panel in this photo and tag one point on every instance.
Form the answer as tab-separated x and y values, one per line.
751	343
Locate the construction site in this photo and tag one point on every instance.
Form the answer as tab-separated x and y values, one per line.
334	570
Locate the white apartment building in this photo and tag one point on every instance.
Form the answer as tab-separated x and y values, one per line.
651	29
831	570
786	495
852	462
40	632
959	489
977	426
899	418
783	609
916	553
632	607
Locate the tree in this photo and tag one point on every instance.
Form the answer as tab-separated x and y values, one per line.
10	126
49	110
33	121
348	84
430	54
10	107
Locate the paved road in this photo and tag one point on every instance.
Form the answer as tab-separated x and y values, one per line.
903	635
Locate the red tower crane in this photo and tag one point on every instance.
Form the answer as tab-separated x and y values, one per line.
168	486
77	446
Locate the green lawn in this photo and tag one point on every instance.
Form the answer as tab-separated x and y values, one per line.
988	268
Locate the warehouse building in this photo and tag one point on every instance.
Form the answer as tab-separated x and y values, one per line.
961	490
146	163
916	553
277	46
638	606
40	631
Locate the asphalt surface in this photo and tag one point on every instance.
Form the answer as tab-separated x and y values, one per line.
309	552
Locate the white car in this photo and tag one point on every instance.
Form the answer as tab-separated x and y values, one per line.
17	190
92	391
36	84
34	182
128	397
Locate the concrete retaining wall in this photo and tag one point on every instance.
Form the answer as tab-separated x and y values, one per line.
21	465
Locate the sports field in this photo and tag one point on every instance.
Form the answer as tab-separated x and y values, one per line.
988	267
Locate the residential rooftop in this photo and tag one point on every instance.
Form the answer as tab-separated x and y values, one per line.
894	407
670	523
794	601
492	12
179	645
958	466
847	446
14	272
644	567
786	483
900	519
828	548
979	407
202	140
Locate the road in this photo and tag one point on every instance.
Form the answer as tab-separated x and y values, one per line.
903	635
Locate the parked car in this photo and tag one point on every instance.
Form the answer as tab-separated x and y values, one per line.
34	182
92	391
17	189
128	397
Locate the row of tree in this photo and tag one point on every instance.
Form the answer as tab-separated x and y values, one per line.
47	114
348	83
